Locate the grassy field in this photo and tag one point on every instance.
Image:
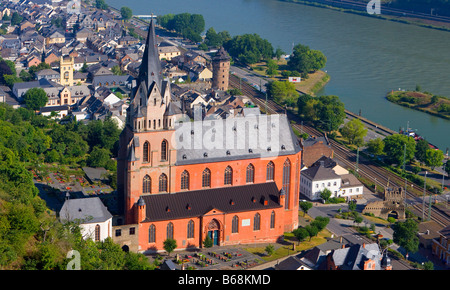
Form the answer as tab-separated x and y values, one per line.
314	83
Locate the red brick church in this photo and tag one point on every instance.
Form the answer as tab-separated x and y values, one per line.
235	180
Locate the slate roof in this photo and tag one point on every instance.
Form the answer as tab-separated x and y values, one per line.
319	172
199	202
353	258
445	232
89	210
235	138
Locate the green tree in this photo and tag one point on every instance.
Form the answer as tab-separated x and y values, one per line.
35	98
405	235
270	249
249	48
358	219
312	231
207	242
354	131
434	158
126	13
170	245
16	19
330	113
301	234
282	92
212	38
421	150
272	68
305	60
325	194
305	206
117	71
99	157
34	69
394	148
10	80
375	146
100	4
320	222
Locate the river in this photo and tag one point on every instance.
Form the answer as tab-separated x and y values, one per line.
366	57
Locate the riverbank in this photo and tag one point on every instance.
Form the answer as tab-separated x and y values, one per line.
311	85
438	106
360	9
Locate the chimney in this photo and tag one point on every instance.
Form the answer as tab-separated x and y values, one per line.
364	245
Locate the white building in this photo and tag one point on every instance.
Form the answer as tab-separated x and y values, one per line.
92	216
325	173
315	179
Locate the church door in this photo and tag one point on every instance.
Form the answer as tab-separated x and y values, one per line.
213	232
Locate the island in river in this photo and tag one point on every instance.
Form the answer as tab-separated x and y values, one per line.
422	101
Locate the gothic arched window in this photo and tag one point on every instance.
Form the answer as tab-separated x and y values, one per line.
250	175
190	229
147	184
185	180
270	171
170	231
235	224
206	178
146	155
286	179
163	183
228	176
257	222
272	220
164	150
152	234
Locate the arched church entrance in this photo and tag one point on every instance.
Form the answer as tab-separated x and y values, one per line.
214	231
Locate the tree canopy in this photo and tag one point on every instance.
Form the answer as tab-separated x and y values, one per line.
126	13
394	148
30	237
282	92
188	25
354	131
306	60
35	98
249	48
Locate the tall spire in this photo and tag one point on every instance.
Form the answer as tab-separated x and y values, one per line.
150	70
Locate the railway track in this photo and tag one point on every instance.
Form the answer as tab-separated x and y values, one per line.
376	174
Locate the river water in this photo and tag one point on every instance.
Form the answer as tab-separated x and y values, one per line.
366	57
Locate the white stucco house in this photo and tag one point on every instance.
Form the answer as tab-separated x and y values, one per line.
325	173
92	216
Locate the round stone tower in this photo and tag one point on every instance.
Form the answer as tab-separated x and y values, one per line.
221	70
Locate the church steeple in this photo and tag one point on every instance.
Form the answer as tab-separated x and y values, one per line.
150	70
